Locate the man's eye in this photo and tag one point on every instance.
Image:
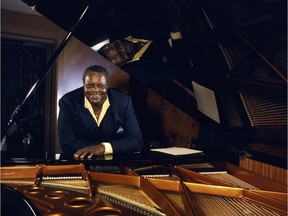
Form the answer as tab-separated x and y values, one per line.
101	86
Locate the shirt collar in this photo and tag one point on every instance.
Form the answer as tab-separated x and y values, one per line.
138	55
105	107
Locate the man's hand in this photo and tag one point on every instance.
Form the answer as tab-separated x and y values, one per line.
90	151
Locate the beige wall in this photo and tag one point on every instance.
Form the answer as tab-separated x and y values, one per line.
69	65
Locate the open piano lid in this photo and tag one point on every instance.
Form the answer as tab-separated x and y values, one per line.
104	19
239	51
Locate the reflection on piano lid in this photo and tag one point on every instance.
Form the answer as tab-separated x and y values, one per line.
105	19
14	198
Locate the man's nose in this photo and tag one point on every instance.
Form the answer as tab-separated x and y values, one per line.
95	88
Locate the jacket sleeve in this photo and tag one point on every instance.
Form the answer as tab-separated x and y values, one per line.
132	140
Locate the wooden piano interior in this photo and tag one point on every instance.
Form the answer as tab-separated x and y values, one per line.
188	189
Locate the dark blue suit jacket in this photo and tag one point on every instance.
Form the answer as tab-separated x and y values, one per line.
78	129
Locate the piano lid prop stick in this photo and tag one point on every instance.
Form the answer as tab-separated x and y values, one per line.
45	71
48	66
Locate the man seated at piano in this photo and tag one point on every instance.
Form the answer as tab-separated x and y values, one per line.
97	120
153	59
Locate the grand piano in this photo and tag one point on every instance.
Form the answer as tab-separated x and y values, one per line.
237	92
